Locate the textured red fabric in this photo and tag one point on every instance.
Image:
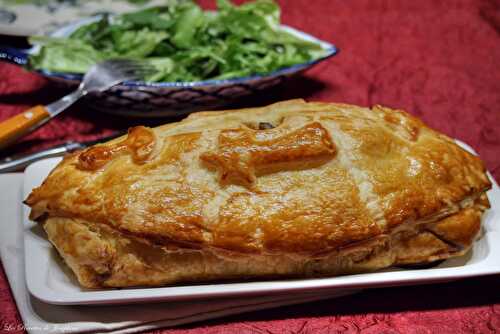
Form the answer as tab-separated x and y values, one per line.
439	60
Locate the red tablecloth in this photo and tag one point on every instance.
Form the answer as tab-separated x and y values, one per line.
438	60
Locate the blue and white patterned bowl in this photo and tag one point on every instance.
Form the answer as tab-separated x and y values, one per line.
163	99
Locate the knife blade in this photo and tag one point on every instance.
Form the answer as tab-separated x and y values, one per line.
19	162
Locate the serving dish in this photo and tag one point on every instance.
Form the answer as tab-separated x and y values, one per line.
48	280
164	99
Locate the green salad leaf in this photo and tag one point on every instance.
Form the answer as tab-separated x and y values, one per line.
183	42
65	55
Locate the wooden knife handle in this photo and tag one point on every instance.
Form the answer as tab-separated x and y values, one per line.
19	125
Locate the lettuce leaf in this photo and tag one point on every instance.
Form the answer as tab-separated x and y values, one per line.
183	42
65	55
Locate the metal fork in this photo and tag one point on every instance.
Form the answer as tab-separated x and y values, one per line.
99	78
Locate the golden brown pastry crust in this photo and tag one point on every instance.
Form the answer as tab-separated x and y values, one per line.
293	188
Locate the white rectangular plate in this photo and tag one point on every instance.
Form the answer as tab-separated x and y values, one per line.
50	281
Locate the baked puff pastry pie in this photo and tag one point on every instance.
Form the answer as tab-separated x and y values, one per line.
293	189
